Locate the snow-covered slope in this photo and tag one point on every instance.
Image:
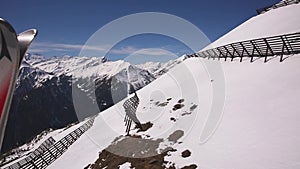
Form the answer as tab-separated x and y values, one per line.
258	129
274	22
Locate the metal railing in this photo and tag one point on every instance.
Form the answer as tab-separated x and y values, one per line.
262	48
277	5
47	143
46	154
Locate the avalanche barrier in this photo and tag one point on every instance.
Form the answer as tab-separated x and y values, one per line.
50	150
261	48
277	5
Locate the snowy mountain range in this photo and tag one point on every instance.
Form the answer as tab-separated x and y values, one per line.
44	90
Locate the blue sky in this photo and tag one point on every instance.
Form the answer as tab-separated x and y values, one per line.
64	26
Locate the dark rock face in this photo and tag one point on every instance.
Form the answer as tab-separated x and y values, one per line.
36	109
50	105
109	91
43	100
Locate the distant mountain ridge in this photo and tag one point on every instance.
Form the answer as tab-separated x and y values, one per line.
44	90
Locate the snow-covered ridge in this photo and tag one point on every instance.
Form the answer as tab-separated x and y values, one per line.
279	21
84	67
76	66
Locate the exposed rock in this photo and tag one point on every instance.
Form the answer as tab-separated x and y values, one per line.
193	166
163	104
176	135
186	153
145	126
177	106
181	101
186	113
193	107
173	119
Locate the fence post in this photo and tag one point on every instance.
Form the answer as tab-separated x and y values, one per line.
221	54
268	49
282	50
